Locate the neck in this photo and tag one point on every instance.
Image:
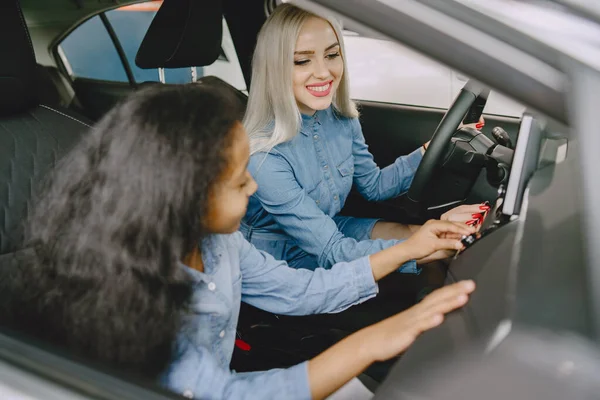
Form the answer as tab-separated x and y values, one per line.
309	112
194	260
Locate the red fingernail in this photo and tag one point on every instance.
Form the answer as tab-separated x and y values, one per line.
470	222
242	345
484	208
477	215
479	126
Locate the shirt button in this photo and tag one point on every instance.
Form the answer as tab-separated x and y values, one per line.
222	334
212	286
317	201
316	137
189	394
335	197
326	166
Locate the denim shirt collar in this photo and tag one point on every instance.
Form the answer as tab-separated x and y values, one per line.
208	260
309	121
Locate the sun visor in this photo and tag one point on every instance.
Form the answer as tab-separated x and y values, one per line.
183	33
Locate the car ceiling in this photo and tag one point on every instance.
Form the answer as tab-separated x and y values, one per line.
48	20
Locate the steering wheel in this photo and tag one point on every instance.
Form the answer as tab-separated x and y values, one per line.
471	92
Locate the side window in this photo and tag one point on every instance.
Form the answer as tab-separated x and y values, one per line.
98	61
130	24
86	56
386	71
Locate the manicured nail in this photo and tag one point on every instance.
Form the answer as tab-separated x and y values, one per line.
470	222
479	126
479	215
484	208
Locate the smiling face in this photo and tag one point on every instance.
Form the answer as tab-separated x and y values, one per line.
318	66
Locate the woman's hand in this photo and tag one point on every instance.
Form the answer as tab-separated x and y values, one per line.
477	125
471	215
394	335
347	358
436	239
428	243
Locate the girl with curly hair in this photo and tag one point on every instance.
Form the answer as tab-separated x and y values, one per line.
134	259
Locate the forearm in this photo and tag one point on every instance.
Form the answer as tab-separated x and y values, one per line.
393	231
389	182
412	229
389	260
273	286
333	368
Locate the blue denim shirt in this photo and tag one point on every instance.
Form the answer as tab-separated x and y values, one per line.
304	183
234	270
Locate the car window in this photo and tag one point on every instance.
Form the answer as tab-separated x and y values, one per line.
90	52
100	61
381	70
130	25
386	71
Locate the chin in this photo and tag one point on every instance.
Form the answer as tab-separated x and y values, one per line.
234	228
320	105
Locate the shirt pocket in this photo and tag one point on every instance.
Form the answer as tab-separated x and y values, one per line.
319	195
346	173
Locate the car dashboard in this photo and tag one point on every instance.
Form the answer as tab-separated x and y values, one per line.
492	258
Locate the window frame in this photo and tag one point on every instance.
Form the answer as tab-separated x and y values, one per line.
62	60
117	43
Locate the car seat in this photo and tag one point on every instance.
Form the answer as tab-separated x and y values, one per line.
33	134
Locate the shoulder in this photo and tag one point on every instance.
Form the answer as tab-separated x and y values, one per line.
233	244
348	124
265	163
225	240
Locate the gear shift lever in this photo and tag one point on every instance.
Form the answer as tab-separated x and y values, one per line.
502	137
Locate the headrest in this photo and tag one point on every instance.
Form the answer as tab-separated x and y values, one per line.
183	33
17	61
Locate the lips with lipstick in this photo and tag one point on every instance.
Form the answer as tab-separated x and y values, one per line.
320	89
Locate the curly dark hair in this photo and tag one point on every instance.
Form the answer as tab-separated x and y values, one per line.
116	216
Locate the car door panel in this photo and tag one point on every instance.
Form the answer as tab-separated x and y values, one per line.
98	97
392	130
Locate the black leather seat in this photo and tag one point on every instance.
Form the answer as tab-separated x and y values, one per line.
53	89
32	135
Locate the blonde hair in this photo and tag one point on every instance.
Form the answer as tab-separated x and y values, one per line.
272	116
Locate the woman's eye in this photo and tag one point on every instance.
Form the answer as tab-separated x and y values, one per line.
333	55
301	62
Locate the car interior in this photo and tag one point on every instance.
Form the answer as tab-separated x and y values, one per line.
44	112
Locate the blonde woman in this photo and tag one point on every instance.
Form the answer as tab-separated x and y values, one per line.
308	150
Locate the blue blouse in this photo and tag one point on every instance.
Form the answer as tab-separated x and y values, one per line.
304	183
234	270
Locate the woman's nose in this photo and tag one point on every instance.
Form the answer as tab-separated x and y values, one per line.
321	71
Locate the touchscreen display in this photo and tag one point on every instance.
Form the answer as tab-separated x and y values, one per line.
525	161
